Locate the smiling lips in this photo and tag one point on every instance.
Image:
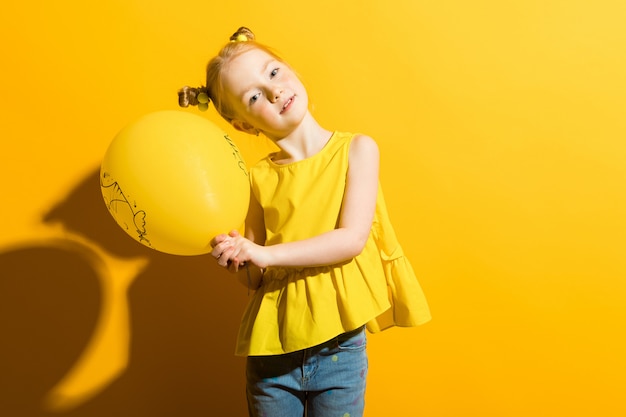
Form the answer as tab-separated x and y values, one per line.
287	105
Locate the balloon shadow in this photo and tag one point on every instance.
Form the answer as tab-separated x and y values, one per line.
173	323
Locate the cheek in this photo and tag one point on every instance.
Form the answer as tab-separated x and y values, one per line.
260	113
293	80
298	86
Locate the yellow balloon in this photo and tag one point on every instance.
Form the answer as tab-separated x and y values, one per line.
173	181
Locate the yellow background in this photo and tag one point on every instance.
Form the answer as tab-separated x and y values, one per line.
502	129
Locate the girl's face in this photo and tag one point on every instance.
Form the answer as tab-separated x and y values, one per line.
265	94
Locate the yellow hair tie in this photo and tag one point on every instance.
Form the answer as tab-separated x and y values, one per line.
240	38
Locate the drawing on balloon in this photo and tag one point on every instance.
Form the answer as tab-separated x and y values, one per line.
125	213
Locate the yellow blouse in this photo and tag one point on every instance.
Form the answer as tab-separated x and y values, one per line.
297	308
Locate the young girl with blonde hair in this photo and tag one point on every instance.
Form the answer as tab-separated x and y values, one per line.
318	249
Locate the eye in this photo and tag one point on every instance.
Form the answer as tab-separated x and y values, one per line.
274	72
254	98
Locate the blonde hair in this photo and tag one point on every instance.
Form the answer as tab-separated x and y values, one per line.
241	41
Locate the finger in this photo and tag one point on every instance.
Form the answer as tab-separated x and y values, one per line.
219	249
218	239
225	257
239	264
235	256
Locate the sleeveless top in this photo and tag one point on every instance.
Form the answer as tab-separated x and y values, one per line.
297	308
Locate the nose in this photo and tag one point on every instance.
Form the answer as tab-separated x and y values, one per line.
275	94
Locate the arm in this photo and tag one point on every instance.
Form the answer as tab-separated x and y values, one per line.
338	245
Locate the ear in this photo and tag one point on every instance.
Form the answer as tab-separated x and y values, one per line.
244	127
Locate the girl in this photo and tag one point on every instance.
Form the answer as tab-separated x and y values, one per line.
318	248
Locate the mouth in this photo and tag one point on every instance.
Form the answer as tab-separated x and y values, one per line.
288	104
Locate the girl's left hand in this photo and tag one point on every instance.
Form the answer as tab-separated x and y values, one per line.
234	250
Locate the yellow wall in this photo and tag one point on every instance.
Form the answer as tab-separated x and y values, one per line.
503	136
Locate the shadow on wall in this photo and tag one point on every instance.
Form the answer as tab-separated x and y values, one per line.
59	296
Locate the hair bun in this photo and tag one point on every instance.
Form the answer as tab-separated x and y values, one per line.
190	96
243	34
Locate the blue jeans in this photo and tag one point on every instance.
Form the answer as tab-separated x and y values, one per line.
327	380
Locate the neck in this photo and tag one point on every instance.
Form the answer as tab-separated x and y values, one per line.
305	141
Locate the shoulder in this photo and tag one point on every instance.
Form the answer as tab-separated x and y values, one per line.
363	140
364	146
